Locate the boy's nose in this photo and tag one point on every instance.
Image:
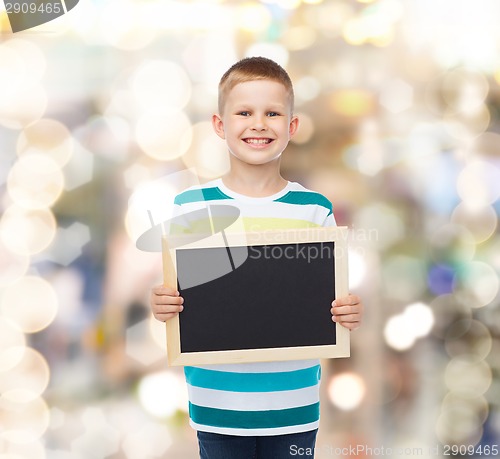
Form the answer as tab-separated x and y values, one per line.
259	123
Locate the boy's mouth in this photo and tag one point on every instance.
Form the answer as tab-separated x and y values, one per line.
257	141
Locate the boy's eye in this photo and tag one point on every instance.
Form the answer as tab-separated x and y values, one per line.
244	113
273	114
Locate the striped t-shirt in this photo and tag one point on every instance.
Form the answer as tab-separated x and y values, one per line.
265	398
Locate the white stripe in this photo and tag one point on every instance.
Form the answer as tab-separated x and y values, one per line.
277	210
253	401
256	432
263	367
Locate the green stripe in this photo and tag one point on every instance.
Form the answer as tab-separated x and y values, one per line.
254	419
203	194
305	198
253	382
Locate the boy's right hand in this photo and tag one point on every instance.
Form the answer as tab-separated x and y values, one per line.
165	302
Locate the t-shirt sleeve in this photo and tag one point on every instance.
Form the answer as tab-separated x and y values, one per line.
330	220
330	217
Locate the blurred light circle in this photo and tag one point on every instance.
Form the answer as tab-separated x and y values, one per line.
123	26
396	95
12	345
466	127
23	105
305	130
12	265
299	37
493	360
477	405
440	279
31	54
451	244
468	338
398	333
136	174
464	90
487	144
208	153
404	277
23	422
329	18
12	71
354	32
27	232
288	4
478	282
33	450
447	309
161	86
422	318
306	88
35	181
155	197
467	377
122	103
481	221
203	99
479	183
108	136
352	102
402	330
384	221
48	137
346	391
162	394
28	379
30	302
164	137
357	268
459	424
252	17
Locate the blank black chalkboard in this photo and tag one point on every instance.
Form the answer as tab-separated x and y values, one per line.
258	304
257	296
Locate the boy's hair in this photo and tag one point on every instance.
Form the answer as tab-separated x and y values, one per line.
250	69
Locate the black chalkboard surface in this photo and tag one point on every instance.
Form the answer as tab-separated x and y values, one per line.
267	300
258	304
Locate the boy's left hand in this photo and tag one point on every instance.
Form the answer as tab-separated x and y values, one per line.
347	311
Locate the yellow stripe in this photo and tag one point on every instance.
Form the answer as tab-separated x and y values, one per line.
268	223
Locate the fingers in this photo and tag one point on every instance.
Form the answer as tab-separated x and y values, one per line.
162	290
347	311
347	300
166	302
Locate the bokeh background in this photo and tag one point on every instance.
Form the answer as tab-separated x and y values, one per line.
101	112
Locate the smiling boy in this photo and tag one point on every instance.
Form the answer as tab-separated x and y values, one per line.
269	409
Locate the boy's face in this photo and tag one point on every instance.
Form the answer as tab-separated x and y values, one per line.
257	123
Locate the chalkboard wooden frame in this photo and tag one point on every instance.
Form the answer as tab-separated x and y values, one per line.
269	239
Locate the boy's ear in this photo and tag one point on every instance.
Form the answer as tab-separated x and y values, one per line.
218	126
294	125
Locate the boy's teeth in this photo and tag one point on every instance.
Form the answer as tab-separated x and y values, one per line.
257	141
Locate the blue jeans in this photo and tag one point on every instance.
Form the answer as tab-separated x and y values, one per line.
217	446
